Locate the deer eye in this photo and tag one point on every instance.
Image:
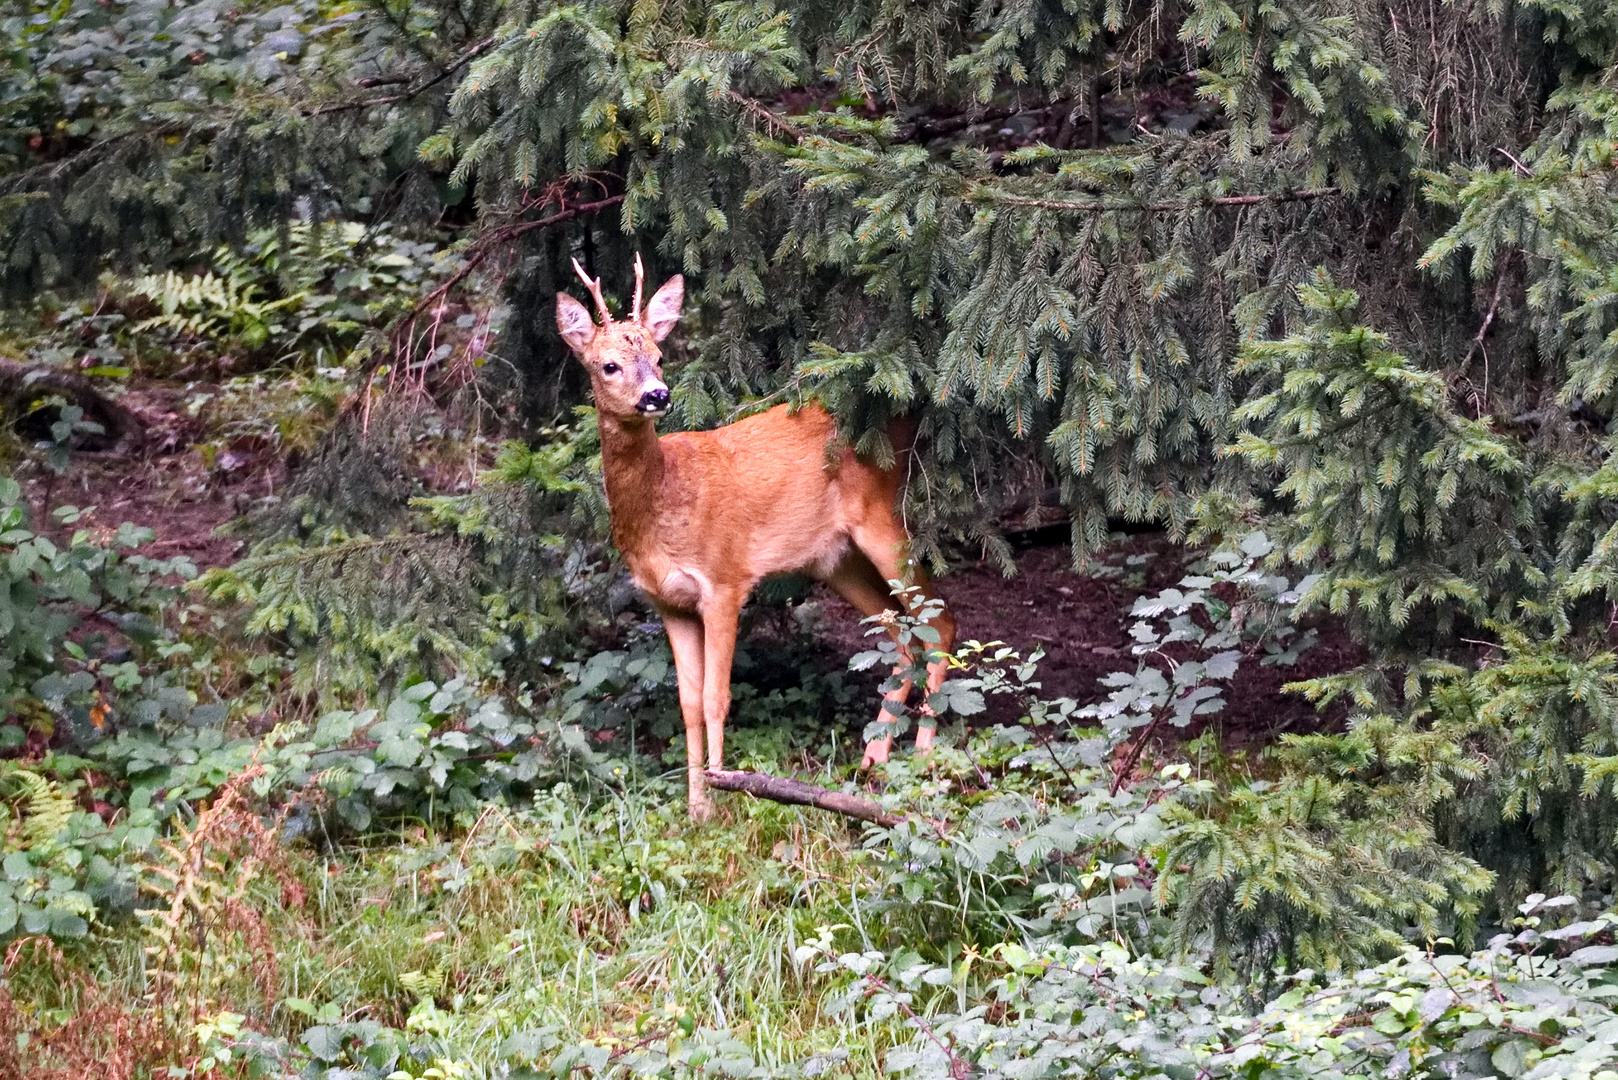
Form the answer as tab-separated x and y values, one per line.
609	369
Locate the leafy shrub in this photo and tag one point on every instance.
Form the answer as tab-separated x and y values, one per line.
1515	1009
1050	828
80	629
63	867
436	751
1186	663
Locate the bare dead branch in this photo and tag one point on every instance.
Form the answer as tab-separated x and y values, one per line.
492	241
763	115
782	789
19	382
365	103
1097	206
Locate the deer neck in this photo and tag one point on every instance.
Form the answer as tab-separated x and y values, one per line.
632	466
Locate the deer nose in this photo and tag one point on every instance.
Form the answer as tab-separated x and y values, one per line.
654	401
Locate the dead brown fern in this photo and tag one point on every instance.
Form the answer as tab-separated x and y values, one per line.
102	1038
211	931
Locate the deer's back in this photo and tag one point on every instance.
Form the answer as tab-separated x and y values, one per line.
769	494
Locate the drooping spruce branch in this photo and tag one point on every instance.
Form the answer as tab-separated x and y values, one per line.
1161	206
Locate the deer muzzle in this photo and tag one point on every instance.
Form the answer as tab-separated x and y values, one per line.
654	402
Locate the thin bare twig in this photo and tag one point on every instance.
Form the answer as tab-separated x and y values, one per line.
959	1067
769	119
1483	330
1127	766
1522	170
486	245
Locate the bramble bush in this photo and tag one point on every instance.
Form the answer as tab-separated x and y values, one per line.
1533	1004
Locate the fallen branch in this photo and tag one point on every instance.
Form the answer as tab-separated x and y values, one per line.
21	382
797	793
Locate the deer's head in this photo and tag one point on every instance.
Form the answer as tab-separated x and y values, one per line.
622	357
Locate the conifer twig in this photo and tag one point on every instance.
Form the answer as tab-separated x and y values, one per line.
770	119
465	58
56	168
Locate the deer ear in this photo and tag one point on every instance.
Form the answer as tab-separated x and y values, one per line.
574	322
663	309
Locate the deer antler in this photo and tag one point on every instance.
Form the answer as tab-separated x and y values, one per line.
640	279
594	285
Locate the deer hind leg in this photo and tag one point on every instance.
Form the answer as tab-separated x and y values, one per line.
719	618
862	586
686	641
885	543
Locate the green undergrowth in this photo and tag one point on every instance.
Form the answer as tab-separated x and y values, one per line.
560	928
598	933
584	924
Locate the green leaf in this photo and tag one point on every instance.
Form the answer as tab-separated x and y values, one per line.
1511	1057
67	924
17	866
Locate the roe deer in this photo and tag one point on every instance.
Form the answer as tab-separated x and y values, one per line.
701	517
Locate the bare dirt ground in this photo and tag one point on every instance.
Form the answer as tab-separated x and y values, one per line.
162	483
1081	621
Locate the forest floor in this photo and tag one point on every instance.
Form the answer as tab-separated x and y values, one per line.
575	920
1081	622
166	482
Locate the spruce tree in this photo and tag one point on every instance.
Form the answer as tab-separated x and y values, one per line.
1345	269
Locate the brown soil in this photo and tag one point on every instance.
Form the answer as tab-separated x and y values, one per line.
163	483
1082	621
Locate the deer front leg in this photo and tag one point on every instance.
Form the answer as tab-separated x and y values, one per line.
719	617
685	639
